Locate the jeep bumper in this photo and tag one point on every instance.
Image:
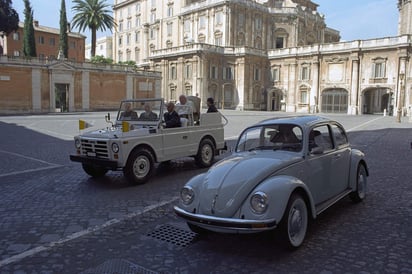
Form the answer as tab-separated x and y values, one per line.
110	164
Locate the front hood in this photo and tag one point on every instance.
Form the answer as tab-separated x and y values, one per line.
229	182
114	133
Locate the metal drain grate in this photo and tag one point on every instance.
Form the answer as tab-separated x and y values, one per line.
116	266
173	235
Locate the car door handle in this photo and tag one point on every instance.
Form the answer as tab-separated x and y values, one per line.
184	137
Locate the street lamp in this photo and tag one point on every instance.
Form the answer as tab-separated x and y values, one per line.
400	99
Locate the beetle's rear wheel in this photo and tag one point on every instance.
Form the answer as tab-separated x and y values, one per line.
294	224
360	193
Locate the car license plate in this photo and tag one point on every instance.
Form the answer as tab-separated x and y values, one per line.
91	154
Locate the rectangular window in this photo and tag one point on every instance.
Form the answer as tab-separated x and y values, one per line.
52	41
129	24
202	22
257	74
378	70
121	26
303	96
152	34
219	18
305	73
41	40
169	29
120	40
275	74
16	36
138	7
218	41
137	21
128	39
187	26
188	71
228	73
137	37
152	17
72	44
213	72
170	11
279	43
173	75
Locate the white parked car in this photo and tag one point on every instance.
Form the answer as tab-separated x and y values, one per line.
283	172
138	139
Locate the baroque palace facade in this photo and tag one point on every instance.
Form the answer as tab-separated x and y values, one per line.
264	55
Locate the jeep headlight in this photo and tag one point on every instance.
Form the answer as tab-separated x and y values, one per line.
115	147
187	195
259	202
77	143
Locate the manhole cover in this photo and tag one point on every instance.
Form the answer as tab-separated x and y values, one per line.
118	266
173	235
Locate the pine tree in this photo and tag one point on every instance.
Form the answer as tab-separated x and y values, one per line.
63	43
29	42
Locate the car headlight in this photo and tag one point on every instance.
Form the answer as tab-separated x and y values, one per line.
77	143
259	202
115	147
187	195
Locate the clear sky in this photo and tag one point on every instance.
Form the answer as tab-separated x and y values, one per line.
355	19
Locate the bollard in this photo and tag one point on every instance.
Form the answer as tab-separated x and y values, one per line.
384	112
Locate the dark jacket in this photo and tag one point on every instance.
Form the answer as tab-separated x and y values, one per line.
211	108
172	119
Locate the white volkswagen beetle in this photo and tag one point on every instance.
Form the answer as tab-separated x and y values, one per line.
283	171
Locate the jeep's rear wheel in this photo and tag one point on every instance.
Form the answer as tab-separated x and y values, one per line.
139	166
94	171
205	154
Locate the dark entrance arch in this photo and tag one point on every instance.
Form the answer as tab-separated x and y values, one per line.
335	101
275	100
377	100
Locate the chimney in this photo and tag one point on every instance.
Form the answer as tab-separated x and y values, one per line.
68	27
36	23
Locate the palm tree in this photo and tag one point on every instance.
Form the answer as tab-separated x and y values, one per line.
94	15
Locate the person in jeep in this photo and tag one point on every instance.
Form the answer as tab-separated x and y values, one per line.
171	117
129	113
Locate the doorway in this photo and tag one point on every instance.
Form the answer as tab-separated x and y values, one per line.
61	97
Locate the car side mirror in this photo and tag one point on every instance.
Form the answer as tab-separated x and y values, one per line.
316	150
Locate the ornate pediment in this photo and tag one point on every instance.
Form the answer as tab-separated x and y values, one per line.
61	65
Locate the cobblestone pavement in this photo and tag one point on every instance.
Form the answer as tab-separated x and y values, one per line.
55	219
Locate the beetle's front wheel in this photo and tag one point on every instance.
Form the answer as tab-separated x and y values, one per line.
294	224
360	193
139	166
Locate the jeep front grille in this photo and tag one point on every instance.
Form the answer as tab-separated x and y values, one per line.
95	148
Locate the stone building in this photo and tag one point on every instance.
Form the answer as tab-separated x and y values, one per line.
264	55
47	43
37	86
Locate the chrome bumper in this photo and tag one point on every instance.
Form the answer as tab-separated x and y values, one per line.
226	223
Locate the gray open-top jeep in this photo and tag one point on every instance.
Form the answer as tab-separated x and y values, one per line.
138	139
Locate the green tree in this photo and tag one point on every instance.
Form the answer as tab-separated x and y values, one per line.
63	41
93	15
9	18
29	42
99	59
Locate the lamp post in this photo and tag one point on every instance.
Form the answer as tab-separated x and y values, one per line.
400	99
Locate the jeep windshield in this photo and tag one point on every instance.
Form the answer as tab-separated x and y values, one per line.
142	111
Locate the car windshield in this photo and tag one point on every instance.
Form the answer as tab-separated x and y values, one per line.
140	110
271	137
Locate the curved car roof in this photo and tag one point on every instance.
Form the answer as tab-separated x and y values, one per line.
302	120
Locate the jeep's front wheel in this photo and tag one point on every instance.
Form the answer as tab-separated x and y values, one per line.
94	171
205	154
139	166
